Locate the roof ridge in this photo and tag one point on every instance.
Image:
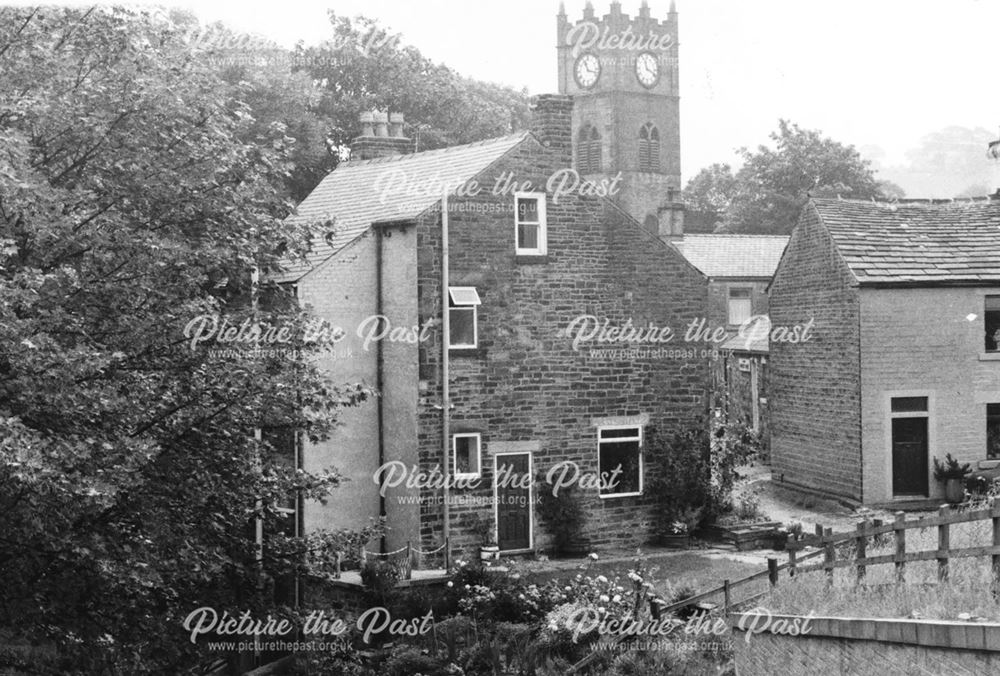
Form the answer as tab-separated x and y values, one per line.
429	153
897	201
734	234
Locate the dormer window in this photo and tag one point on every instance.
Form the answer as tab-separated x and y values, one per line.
649	148
529	223
588	150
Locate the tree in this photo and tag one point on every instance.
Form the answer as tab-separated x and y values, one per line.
137	193
364	67
708	196
773	184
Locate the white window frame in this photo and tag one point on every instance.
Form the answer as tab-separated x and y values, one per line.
995	353
479	455
639	438
542	248
729	300
464	303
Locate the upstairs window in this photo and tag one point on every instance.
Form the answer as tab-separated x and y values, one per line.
530	228
992	317
649	148
588	150
740	306
619	459
466	455
463	317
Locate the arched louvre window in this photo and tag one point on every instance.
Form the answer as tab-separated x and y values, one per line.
588	150
649	148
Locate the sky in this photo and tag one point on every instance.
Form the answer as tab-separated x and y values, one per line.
878	74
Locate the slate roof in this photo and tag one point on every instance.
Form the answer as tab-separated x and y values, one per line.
353	192
927	242
752	342
734	255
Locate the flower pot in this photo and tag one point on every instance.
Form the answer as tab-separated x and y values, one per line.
954	490
489	553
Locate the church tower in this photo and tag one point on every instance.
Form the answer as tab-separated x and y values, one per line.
622	73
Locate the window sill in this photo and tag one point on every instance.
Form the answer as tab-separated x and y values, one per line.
531	259
989	356
466	352
619	495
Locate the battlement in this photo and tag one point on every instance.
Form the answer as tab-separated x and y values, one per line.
640	32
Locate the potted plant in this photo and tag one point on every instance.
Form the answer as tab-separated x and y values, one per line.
490	550
952	474
487	532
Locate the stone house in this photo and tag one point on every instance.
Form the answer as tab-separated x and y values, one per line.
739	269
532	272
902	364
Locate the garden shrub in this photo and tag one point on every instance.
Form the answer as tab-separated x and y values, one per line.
563	517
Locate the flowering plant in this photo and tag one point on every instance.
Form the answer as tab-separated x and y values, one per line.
678	528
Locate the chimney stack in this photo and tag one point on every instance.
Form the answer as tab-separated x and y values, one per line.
671	216
552	124
381	136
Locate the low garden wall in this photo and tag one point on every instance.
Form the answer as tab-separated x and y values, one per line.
764	645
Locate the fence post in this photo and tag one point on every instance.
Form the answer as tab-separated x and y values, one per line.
861	547
772	571
410	555
819	530
447	555
944	544
727	599
829	556
899	530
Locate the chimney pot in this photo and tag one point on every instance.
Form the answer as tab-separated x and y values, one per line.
381	123
375	139
366	123
396	125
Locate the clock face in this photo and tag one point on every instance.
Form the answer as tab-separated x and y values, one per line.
587	70
647	69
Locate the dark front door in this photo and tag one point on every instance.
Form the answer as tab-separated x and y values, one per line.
513	485
909	456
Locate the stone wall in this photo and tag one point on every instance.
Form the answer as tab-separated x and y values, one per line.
815	386
526	384
921	342
871	647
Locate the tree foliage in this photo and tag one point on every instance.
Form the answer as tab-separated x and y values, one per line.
137	191
770	189
364	67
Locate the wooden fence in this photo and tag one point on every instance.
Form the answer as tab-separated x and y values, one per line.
868	530
828	544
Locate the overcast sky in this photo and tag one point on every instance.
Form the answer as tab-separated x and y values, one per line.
880	74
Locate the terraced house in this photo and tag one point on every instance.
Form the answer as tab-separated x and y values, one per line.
904	363
514	392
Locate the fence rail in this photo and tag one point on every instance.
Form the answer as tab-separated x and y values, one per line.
867	530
